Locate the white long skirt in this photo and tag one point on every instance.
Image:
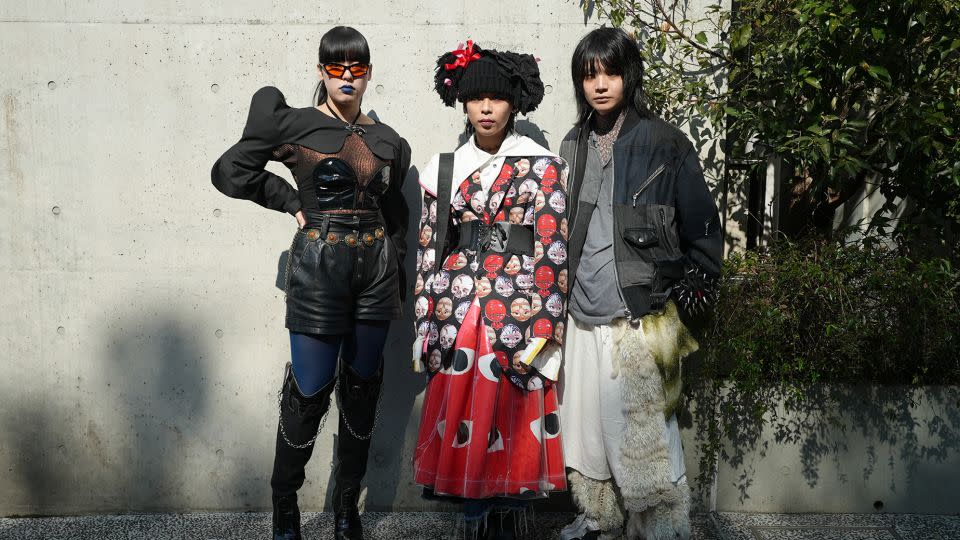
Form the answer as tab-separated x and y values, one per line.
591	407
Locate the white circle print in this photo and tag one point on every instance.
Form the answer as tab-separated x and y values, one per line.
554	304
434	334
510	335
558	201
557	252
441	281
540	167
461	311
462	286
447	336
504	286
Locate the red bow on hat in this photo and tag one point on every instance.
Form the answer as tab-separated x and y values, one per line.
464	56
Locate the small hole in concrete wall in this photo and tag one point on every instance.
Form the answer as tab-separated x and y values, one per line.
216	212
219	333
214	88
379	88
61	330
55	210
52	85
548	88
878	505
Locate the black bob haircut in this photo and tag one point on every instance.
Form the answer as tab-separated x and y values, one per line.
340	44
618	54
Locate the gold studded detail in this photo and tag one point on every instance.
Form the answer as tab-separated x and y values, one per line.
350	240
368	239
313	234
379	233
332	238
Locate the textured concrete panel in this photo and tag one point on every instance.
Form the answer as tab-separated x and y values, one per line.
890	449
141	324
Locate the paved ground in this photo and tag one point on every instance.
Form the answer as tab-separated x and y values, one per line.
443	526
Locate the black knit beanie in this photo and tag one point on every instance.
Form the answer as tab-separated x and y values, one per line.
484	76
470	71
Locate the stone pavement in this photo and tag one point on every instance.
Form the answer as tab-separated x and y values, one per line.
443	526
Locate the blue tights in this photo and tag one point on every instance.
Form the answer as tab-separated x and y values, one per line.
315	356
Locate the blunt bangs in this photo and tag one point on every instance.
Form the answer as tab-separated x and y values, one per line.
617	54
343	44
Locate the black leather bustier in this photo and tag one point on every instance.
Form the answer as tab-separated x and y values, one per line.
338	188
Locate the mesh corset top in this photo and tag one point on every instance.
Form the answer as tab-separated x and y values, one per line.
350	181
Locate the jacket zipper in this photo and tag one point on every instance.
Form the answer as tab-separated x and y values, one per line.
576	151
616	271
649	181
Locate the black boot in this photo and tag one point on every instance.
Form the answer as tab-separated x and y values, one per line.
359	399
286	518
299	423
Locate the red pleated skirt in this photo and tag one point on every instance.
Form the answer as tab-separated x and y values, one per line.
481	436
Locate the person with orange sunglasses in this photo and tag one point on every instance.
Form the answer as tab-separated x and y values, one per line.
344	274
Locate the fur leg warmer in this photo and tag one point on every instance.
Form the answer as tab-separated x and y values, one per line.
666	521
645	458
598	499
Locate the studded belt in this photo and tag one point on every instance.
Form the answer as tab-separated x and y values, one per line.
352	239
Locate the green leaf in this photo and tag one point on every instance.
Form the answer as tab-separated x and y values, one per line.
878	34
701	38
880	73
813	82
848	73
741	37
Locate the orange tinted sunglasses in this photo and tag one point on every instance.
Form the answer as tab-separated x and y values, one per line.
336	70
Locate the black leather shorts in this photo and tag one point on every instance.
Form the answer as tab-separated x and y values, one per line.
344	270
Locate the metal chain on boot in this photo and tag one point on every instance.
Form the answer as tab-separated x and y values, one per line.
283	431
343	414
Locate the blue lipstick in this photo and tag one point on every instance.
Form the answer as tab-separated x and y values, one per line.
346	89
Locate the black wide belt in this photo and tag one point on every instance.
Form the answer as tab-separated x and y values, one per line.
501	237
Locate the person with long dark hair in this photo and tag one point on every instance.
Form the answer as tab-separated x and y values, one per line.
489	299
344	271
645	249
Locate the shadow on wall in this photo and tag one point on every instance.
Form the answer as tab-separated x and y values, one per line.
858	430
133	432
156	378
36	447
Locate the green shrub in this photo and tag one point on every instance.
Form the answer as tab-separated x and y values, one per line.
798	321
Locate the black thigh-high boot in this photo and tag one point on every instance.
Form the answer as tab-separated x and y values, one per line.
300	418
359	399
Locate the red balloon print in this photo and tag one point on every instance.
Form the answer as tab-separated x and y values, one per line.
543	328
546	226
496	312
492	264
549	179
544	279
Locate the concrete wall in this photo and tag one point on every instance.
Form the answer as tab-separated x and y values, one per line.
141	326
